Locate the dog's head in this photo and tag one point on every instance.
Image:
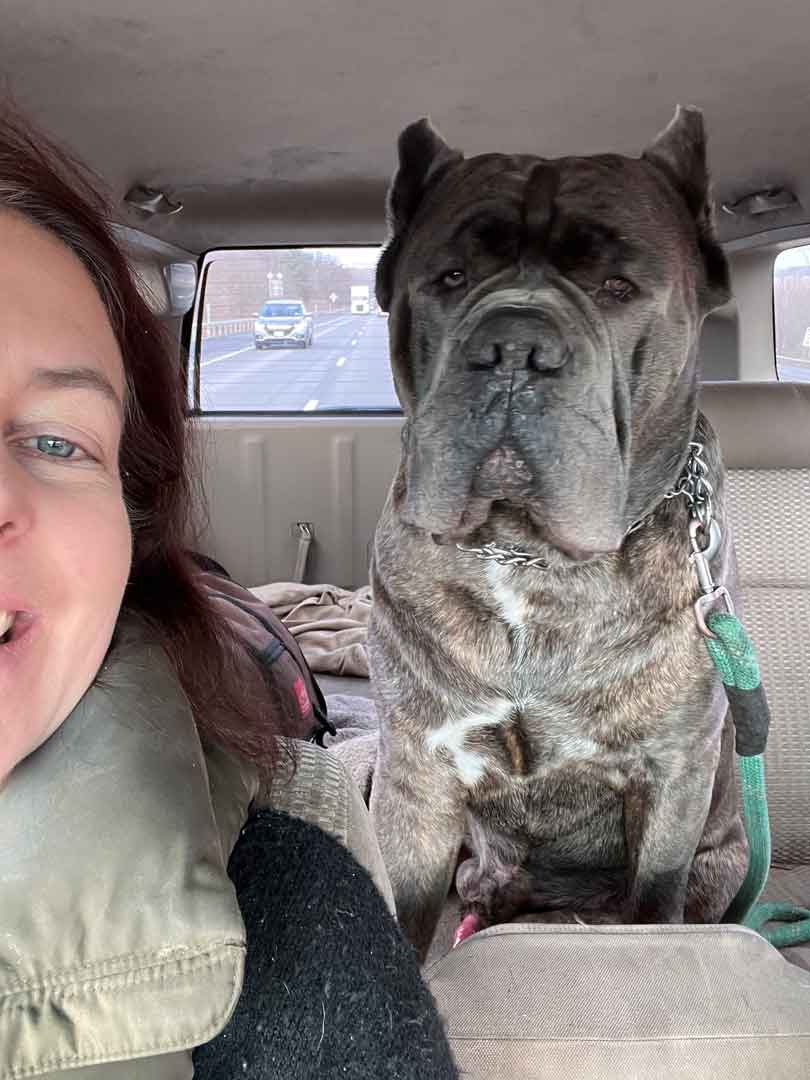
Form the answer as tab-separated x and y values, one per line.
544	320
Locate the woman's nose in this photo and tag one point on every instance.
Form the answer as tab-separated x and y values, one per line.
16	511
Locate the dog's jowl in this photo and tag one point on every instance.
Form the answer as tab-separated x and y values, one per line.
553	714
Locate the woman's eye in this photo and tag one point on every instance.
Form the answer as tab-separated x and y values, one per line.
453	279
54	447
618	288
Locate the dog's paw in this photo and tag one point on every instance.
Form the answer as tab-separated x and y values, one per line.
468	926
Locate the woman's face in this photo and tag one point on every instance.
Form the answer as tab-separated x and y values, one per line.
65	545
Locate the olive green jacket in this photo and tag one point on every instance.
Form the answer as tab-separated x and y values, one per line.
121	942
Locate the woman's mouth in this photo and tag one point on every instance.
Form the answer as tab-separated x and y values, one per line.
13	626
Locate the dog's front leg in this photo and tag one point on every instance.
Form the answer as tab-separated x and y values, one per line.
418	810
664	818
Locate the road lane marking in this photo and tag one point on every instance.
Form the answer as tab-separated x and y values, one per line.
341	362
227	356
331	327
311	405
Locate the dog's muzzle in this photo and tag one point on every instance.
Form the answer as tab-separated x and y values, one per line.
521	408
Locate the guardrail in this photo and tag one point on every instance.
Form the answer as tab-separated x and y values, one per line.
223	327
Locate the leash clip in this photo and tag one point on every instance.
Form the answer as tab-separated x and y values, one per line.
711	592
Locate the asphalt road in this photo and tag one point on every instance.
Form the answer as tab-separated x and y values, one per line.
346	367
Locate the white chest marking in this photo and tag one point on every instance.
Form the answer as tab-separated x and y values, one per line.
510	602
451	736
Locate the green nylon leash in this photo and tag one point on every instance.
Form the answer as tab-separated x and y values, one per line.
735	658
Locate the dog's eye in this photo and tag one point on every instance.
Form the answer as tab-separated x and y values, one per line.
617	288
454	279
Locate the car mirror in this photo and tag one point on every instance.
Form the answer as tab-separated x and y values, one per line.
181	286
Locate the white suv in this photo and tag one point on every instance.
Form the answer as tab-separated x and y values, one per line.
283	322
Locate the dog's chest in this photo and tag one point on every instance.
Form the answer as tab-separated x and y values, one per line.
593	687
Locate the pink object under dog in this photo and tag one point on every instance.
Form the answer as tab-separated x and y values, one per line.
468	926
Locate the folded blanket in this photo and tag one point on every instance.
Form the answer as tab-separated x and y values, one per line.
330	624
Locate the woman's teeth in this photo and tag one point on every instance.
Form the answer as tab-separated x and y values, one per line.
6	623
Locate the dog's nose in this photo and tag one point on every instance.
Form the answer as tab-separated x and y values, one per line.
516	342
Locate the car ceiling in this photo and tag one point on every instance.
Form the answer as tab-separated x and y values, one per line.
276	120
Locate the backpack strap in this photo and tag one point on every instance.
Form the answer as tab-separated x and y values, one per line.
278	654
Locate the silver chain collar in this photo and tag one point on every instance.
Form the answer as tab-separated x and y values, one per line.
705	534
694	486
505	556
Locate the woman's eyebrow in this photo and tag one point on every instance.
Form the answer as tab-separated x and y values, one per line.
77	378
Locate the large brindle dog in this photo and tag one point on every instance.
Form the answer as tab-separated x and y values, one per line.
560	720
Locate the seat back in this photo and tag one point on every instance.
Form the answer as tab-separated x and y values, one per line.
764	431
531	1002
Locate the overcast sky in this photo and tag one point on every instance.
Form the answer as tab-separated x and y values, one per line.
798	256
364	258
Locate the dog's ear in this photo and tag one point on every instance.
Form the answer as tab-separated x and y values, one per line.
680	152
423	156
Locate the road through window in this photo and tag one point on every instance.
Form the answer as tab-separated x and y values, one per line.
293	330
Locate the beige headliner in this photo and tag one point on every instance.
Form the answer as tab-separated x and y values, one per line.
276	121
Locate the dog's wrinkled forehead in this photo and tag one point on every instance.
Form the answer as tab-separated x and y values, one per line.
517	206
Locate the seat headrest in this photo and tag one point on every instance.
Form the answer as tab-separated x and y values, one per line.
763	425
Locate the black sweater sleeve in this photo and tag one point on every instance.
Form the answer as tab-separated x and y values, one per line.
332	989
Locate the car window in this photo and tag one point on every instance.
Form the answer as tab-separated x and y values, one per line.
291	330
791	313
282	311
